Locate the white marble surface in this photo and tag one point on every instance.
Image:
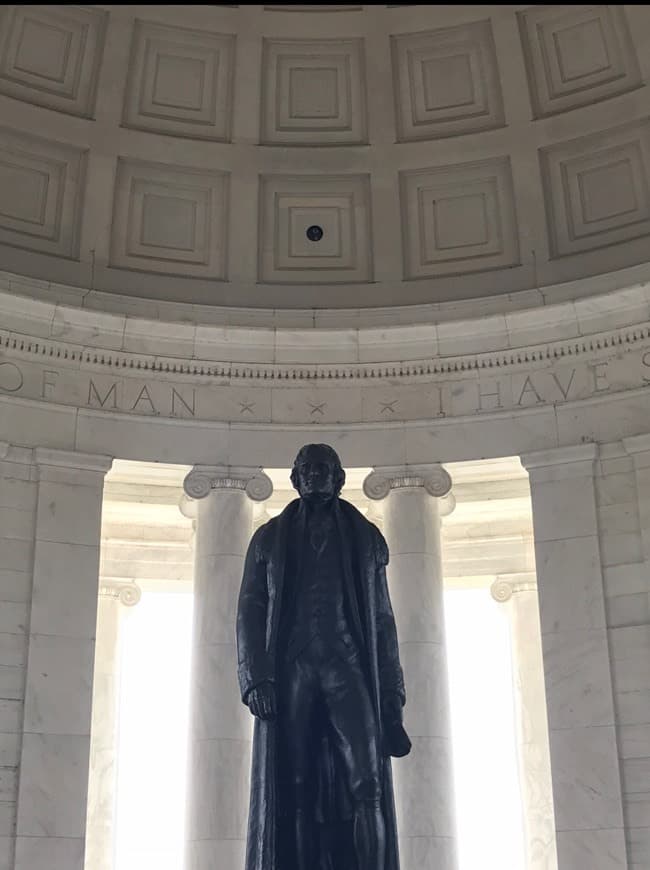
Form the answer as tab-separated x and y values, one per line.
417	601
64	601
53	785
215	685
577	519
14	616
58	502
11	716
7	821
583	742
413	530
428	853
423	779
6	852
15	554
15	586
423	787
592	849
51	853
586	778
427	707
9	749
215	618
220	728
618	548
103	762
219	779
534	768
577	688
12	681
634	740
58	689
8	782
573	600
208	854
59	685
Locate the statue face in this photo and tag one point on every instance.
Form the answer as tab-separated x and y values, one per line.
315	478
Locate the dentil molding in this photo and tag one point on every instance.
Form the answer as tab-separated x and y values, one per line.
116	365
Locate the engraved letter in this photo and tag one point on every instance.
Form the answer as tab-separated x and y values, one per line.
439	401
143	396
600	377
565	392
93	395
486	395
529	387
49	382
11	377
190	410
645	359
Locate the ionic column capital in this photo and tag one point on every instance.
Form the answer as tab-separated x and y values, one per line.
127	592
432	478
203	479
507	585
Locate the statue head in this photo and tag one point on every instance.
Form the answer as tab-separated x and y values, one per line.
317	472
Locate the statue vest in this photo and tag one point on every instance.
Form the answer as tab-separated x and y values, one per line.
316	605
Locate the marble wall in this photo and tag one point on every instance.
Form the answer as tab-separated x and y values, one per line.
18	497
622	497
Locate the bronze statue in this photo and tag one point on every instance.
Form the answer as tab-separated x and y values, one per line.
319	669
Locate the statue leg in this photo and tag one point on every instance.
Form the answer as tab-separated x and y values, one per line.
296	712
354	725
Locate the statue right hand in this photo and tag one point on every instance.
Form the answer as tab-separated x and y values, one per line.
261	701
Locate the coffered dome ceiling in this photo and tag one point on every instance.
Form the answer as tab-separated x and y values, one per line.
324	156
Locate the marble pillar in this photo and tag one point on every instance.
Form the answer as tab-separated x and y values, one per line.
18	498
587	792
55	753
220	725
630	645
116	598
415	498
518	594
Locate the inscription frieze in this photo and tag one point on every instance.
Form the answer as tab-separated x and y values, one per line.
470	392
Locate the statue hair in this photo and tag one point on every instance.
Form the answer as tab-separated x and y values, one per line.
329	455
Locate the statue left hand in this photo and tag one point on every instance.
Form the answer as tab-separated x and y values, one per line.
396	740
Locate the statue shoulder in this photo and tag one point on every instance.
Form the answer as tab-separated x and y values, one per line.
379	544
381	547
264	537
260	543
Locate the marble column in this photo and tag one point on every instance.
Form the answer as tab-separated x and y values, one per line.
221	726
630	645
415	498
518	594
587	793
116	598
18	498
55	753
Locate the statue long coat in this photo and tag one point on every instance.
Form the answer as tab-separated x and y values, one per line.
365	556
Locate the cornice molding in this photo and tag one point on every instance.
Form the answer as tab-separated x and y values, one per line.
330	388
449	366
